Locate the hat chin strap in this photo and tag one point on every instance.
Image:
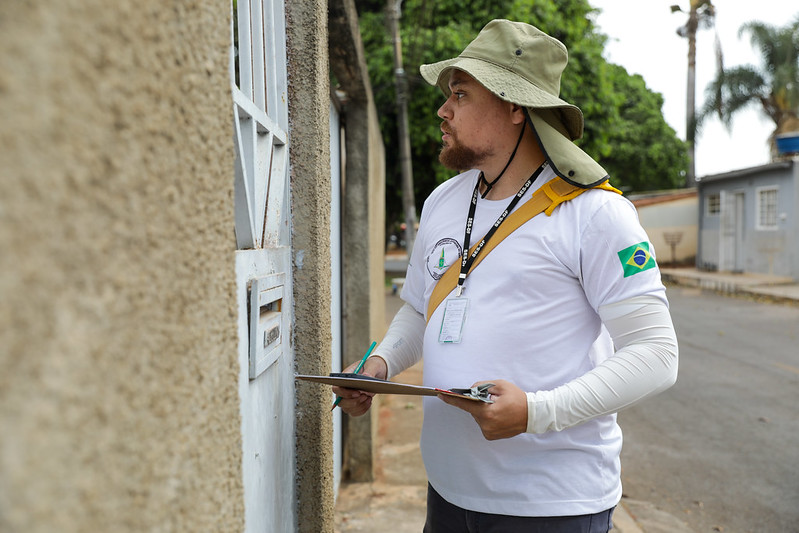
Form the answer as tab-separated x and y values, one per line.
490	184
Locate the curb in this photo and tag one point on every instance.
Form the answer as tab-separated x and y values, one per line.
774	289
623	522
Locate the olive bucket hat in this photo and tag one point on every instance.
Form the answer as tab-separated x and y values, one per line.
522	65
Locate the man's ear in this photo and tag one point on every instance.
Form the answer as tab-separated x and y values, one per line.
518	114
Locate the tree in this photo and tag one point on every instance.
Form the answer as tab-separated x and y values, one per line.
408	200
774	85
644	148
433	30
700	14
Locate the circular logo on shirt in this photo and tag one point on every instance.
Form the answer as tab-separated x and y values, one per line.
445	252
640	257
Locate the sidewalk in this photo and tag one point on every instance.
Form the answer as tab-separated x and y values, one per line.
395	501
773	288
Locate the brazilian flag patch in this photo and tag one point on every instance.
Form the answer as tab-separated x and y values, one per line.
636	258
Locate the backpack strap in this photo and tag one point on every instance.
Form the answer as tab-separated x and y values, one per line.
545	199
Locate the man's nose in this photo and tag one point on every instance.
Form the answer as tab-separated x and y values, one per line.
444	111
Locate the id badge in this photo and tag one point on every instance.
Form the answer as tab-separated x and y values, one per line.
453	321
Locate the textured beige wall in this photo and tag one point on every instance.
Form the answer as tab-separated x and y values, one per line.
377	227
364	267
118	398
361	447
309	124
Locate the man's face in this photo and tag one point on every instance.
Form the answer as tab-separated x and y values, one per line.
473	118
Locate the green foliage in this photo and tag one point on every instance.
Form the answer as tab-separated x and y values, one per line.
645	152
774	85
624	128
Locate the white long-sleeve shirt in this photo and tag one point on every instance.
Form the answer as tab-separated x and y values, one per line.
545	309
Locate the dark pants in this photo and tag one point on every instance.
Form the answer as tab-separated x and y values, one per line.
443	517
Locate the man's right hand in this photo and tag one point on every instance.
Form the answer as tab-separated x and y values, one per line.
356	402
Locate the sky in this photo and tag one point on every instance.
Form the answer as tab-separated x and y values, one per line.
643	39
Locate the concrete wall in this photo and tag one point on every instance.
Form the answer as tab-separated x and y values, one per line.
118	404
364	220
309	102
364	237
672	222
324	38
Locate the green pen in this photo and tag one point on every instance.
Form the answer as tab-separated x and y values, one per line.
358	369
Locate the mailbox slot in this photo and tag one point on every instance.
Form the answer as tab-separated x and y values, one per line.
266	322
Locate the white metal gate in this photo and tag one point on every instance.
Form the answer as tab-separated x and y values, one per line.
263	262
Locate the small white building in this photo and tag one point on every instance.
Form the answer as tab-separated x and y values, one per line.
748	220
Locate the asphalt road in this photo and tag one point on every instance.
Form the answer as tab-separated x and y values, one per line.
720	449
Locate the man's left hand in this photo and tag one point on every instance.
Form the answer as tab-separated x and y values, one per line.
505	418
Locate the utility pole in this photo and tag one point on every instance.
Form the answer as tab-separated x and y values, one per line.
401	81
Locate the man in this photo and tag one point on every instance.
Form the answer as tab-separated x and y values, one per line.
566	316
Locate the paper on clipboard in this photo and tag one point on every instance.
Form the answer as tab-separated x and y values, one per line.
381	386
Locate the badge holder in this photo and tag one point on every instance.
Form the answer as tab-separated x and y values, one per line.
453	321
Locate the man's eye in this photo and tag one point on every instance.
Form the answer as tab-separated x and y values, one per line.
459	95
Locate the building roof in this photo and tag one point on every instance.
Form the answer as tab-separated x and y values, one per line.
659	197
744	172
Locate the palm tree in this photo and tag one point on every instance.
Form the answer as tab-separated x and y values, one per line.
701	14
774	85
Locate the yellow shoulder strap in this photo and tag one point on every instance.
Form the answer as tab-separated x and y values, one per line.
545	199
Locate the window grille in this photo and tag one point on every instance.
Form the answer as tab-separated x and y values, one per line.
766	208
713	204
260	117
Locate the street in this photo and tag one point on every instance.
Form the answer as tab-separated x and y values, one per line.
720	449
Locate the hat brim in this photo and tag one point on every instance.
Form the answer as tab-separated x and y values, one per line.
506	85
568	160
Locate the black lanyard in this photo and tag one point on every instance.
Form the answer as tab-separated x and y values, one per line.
467	259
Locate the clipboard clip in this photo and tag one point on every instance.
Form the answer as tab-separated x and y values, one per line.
479	392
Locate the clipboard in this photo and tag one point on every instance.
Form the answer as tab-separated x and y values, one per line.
382	386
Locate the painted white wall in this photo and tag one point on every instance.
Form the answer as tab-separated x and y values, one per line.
664	221
267	409
262	211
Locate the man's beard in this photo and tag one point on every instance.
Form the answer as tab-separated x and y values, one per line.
459	157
